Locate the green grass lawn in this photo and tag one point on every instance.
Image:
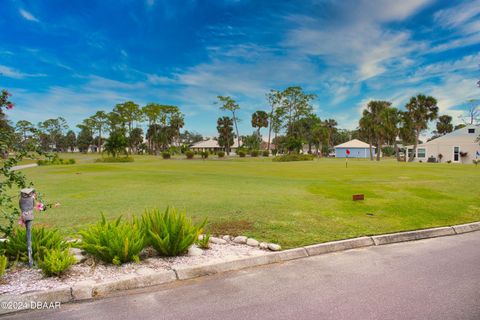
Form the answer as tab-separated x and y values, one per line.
295	203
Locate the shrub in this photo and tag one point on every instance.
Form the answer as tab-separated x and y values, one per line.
3	264
166	155
475	162
265	153
204	154
55	262
221	154
55	161
117	159
242	154
294	157
274	152
171	233
189	154
42	240
115	241
388	151
254	153
449	161
204	243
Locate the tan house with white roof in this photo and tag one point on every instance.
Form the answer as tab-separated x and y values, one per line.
459	146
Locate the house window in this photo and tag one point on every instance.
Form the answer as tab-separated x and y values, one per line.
421	153
471	130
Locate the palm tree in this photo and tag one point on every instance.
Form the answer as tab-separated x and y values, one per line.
259	120
152	112
230	105
366	129
444	124
389	127
331	126
274	99
421	109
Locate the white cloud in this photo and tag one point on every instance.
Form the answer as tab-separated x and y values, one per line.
358	36
27	15
16	74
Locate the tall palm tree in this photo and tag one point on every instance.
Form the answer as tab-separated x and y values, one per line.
331	126
421	109
230	105
366	129
274	99
259	120
389	127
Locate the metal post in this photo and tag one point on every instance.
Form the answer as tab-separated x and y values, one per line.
28	225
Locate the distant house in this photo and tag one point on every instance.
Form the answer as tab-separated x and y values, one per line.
211	145
357	148
459	146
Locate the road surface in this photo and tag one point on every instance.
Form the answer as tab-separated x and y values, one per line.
436	279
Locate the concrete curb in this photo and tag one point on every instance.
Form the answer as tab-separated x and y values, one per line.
24	166
144	277
413	235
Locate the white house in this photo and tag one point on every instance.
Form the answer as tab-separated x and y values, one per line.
357	148
459	146
212	146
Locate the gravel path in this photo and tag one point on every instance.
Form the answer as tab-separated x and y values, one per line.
24	280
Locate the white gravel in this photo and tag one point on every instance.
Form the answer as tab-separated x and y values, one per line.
24	280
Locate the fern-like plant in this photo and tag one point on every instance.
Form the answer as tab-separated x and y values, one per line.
42	239
55	262
115	241
3	264
204	242
171	233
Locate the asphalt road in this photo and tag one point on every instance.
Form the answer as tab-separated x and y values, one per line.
430	279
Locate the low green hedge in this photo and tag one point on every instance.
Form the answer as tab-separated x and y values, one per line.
116	159
294	157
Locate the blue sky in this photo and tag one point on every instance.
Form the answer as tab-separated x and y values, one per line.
71	58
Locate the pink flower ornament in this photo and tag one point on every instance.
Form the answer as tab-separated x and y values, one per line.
39	206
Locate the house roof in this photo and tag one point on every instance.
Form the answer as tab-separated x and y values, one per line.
210	144
355	143
459	136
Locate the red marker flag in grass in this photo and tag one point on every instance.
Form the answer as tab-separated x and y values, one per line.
346	160
348	152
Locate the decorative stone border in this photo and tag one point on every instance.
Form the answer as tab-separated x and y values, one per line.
146	277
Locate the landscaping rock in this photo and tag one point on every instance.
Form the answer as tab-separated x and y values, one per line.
240	239
217	240
193	251
78	254
252	242
263	245
226	238
274	247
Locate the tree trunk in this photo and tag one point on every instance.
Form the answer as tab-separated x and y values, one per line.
410	159
379	149
370	148
236	128
99	140
395	146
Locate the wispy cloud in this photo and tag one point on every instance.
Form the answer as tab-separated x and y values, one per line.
27	15
16	74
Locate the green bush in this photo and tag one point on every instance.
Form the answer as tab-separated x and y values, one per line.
166	155
189	154
294	157
265	153
274	152
242	154
171	233
221	154
254	153
55	262
115	241
204	243
204	154
116	159
3	264
42	240
388	151
55	161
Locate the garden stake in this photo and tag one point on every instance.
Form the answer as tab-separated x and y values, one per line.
27	200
